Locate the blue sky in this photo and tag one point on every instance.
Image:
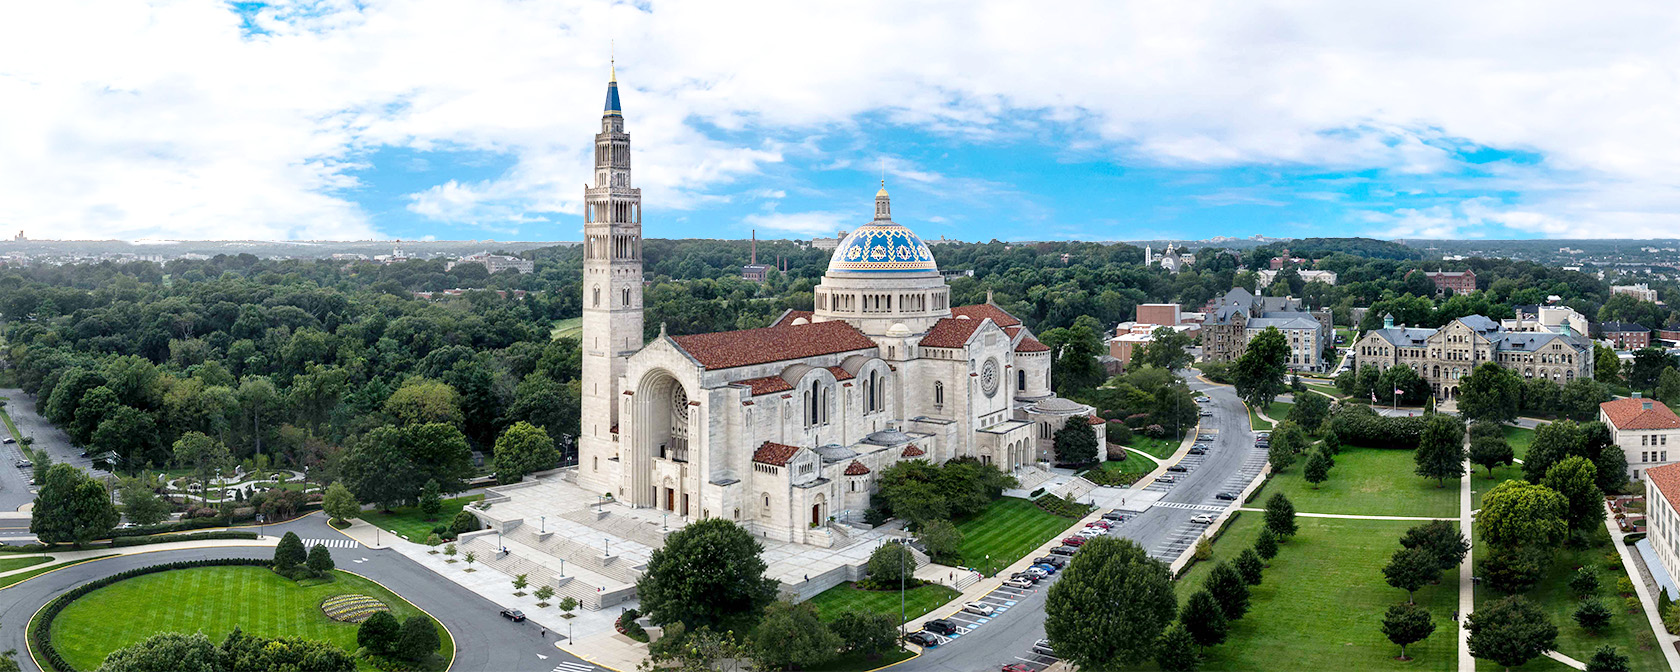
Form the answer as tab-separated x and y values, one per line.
333	119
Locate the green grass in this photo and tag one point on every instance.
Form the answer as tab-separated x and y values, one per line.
1480	483
571	327
1160	448
1367	482
1554	597
1327	389
1135	464
9	564
1007	530
1321	604
1254	420
1279	410
20	577
851	662
847	597
213	600
411	524
1520	438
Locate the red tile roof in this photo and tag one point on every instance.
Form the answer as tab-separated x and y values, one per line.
1667	480
1030	344
765	385
1632	414
912	451
790	316
775	454
856	468
840	373
982	311
728	349
1093	420
950	332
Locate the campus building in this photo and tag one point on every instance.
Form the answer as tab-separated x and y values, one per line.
1237	317
1625	335
1460	282
1644	428
1446	355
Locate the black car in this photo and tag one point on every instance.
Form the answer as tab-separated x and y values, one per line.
1198	450
1115	516
1227	496
1052	560
940	626
514	615
1026	576
923	639
1178	468
1064	550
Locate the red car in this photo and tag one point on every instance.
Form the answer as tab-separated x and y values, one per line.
1101	523
1017	667
1074	541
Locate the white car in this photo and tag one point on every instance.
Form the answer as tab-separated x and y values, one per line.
980	608
1091	532
1019	584
1203	518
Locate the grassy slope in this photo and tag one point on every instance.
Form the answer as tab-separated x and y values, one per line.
1008	530
917	601
1160	448
9	564
408	521
212	600
1368	482
1254	420
571	327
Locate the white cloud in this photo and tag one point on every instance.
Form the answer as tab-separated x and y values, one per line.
803	223
163	119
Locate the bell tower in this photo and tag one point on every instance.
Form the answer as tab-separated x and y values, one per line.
612	296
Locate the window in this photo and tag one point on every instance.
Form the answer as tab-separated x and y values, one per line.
938	394
596	463
626	297
597	301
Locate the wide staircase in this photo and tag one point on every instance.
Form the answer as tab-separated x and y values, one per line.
1032	476
1077	487
624	527
485	551
583	556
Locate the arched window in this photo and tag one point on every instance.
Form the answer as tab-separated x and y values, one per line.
811	401
938	394
626	297
596	303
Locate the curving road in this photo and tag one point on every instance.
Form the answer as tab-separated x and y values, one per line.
483	639
1164	530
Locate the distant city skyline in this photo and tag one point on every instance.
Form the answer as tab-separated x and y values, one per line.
300	120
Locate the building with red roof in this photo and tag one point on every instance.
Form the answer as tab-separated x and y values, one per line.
1646	430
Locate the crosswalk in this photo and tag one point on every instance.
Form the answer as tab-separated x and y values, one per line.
331	543
1191	507
574	667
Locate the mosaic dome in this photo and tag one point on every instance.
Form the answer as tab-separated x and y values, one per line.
882	247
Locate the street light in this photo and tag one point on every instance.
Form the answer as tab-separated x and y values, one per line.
544	526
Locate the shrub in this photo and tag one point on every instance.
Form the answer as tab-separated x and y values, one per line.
1592	615
1119	433
290	552
418	638
320	559
627	625
378	634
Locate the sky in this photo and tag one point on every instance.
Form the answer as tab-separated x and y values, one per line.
425	119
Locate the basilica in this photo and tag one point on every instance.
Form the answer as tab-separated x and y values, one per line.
784	429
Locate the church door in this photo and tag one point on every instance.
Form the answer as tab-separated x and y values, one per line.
816	515
670	499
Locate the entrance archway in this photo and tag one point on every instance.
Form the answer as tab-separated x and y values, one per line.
661	425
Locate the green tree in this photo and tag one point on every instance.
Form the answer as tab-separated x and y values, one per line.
320	559
520	582
1440	452
431	500
1608	659
1280	516
1309	410
1510	632
71	507
1228	588
1575	479
793	636
1074	351
1266	546
1169	350
1491	392
1517	513
130	433
1592	615
1491	452
1580	398
1110	606
340	503
1317	469
942	540
1175	650
166	652
709	573
1585	581
1407	623
1668	386
418	638
1552	442
1410	569
421	401
522	449
1441	539
890	562
1250	566
1647	367
1513	570
141	504
1259	372
1607	367
244	653
290	552
871	634
1075	443
379	633
1204	619
391	464
202	454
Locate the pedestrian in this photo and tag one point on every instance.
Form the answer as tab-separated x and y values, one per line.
545	633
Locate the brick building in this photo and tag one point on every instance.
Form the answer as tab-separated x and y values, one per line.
1460	282
1625	335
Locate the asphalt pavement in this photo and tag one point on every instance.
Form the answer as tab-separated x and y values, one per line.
15	490
1164	530
483	639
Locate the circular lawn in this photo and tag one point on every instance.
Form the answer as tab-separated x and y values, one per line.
214	600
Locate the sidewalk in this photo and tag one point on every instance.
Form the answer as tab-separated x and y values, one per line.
1645	598
1466	570
1350	516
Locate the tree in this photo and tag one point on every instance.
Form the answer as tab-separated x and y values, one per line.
522	449
1517	513
1175	651
1647	367
1281	454
1608	659
391	464
1510	632
1258	373
942	539
1513	570
166	652
1076	443
71	507
1317	469
431	500
290	552
1280	516
464	521
871	634
1110	606
1168	349
520	582
141	504
1410	568
1250	566
1552	442
1491	392
567	605
1310	410
418	638
244	653
1407	623
379	633
1592	615
1491	452
1668	386
709	573
1607	367
130	433
1580	398
1204	619
1440	452
1228	588
1585	581
1441	540
792	635
890	562
202	454
340	503
1575	479
320	559
421	401
1266	546
1075	349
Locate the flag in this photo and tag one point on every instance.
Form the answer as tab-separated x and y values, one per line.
1398	391
1373	397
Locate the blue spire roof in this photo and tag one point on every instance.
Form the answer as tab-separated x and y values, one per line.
613	109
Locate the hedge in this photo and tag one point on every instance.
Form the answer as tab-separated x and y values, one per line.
161	528
40	631
1361	426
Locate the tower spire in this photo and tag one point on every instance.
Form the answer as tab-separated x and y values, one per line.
613	109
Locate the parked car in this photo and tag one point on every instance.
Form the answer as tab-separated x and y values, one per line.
1207	413
1043	647
926	640
1114	516
1091	532
1100	523
24	464
1036	573
1167	478
1227	496
980	608
1018	667
1179	468
1022	580
940	626
8	440
514	615
1047	568
1203	518
1074	540
1056	560
1198	450
1064	550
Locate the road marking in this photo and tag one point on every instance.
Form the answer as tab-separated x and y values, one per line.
573	667
1191	507
331	543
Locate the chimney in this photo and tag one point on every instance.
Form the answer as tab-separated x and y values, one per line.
755	247
1637	394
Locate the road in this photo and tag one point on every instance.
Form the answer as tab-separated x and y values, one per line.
14	483
483	639
1164	530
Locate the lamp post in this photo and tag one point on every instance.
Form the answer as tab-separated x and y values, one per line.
606	545
562	567
543	525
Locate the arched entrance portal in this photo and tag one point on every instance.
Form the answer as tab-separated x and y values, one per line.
662	424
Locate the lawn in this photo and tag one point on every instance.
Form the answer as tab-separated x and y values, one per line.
1480	483
847	597
1134	464
213	600
1160	448
1554	597
571	327
1279	410
1519	438
1367	482
9	564
1007	531
1327	389
1254	421
408	522
1321	604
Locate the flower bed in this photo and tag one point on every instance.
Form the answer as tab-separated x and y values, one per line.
352	608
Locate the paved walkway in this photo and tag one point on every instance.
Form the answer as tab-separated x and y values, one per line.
1566	660
1350	516
1466	571
1644	593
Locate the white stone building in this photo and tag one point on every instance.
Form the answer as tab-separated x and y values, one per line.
1645	429
784	428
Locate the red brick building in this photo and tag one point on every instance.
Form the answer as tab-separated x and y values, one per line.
1625	335
1460	282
